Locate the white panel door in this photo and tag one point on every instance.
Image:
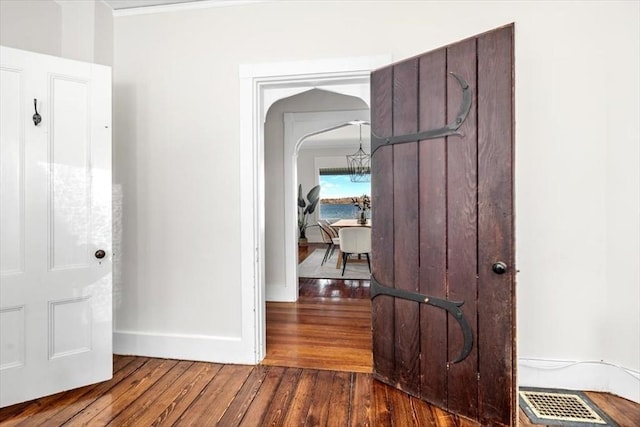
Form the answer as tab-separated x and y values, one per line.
55	217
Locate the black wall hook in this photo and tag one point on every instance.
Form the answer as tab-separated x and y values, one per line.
36	117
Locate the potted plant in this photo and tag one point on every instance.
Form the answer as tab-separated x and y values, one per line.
306	207
363	204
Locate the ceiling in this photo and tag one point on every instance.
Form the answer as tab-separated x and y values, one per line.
344	137
129	4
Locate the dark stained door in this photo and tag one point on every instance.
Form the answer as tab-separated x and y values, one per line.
443	224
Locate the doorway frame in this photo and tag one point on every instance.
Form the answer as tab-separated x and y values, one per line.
261	85
298	127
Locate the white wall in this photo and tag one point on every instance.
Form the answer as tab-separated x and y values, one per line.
80	30
103	34
31	25
576	167
314	100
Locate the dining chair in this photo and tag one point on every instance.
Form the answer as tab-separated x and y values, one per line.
355	241
332	230
328	239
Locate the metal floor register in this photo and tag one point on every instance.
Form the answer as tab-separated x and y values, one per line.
562	408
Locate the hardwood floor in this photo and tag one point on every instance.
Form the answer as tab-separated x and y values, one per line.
161	392
328	328
333	334
157	392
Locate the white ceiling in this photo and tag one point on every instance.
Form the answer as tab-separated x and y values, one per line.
344	137
128	4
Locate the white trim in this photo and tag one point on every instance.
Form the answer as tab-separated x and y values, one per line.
297	128
166	8
580	375
184	347
260	86
280	292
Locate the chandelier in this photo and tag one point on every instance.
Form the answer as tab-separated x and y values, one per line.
359	164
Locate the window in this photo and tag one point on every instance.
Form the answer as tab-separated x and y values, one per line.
336	193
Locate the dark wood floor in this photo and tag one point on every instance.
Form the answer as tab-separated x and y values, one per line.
160	392
154	392
157	392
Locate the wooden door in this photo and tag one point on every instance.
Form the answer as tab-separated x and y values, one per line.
443	222
55	285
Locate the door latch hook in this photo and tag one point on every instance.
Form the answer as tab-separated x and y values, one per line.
37	118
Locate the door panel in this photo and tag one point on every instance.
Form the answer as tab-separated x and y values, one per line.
70	173
450	219
383	324
433	227
55	310
462	227
12	161
496	299
405	214
12	332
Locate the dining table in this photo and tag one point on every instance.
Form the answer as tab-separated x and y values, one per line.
350	223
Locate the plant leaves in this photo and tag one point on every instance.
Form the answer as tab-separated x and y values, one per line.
311	207
301	202
314	194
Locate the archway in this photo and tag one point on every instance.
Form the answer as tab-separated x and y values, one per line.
290	122
261	86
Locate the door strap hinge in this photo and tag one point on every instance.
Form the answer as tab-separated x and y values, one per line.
447	130
452	307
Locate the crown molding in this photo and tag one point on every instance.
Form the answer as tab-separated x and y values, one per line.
202	4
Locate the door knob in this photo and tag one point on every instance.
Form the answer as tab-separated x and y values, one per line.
100	254
499	267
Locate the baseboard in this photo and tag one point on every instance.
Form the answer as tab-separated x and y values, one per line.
279	293
184	347
586	375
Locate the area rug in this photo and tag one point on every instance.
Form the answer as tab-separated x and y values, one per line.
311	268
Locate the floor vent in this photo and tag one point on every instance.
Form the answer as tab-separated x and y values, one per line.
553	407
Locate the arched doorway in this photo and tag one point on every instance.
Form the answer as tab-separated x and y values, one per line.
289	123
260	87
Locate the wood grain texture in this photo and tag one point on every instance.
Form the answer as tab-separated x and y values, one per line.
361	408
319	410
464	189
237	409
189	392
268	395
340	407
383	322
131	415
445	218
496	293
302	398
288	397
282	399
433	227
110	404
62	406
622	411
170	405
322	334
405	242
221	389
462	229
